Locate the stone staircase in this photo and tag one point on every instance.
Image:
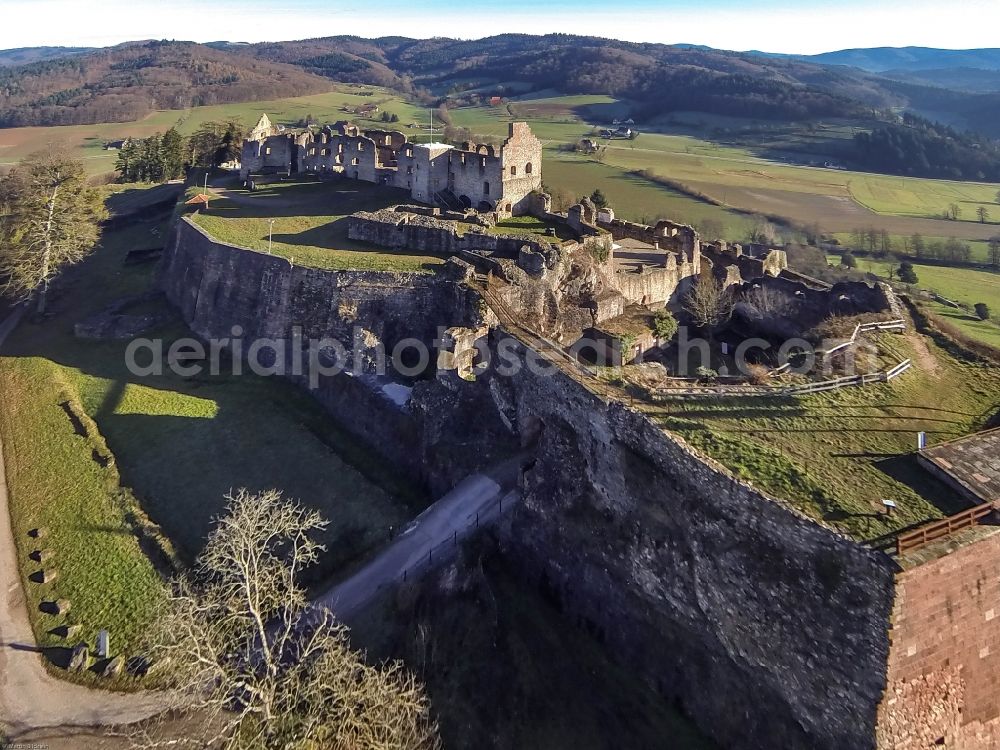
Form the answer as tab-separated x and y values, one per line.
449	200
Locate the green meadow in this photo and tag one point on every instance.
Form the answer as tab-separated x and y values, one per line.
126	472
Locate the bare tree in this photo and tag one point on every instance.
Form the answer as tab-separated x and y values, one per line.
709	303
983	213
241	648
48	220
769	301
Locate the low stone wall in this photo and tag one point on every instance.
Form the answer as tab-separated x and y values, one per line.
651	285
427	234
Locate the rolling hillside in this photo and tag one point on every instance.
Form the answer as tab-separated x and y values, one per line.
129	81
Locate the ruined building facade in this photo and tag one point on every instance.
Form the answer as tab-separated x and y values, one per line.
479	176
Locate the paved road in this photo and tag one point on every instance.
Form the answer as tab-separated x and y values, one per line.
31	698
451	518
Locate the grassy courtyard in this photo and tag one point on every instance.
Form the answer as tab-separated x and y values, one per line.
309	224
836	455
95	453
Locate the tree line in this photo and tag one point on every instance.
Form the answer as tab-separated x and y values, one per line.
921	148
950	250
170	155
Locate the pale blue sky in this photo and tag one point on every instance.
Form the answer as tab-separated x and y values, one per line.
806	26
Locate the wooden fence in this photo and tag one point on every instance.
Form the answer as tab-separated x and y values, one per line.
778	392
938	529
885	325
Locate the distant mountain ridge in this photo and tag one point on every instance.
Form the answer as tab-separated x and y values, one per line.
130	80
882	59
26	55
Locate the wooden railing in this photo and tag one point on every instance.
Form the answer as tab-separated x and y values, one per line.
782	391
938	529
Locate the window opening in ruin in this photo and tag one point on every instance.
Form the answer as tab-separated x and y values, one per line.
527	168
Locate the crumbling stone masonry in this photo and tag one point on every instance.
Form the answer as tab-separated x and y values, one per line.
478	176
769	628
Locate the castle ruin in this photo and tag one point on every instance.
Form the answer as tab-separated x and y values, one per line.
477	176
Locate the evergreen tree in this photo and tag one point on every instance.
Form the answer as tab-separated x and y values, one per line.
172	154
906	273
598	199
150	160
127	161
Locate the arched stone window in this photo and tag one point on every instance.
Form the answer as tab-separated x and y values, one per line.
513	171
527	168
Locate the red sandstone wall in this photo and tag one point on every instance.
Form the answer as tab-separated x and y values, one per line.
944	660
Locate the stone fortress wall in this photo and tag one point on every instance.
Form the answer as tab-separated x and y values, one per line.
767	627
478	176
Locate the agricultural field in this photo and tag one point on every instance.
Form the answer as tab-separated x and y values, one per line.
309	224
739	181
702	172
95	454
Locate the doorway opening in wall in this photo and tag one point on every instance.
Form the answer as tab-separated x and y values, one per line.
466	201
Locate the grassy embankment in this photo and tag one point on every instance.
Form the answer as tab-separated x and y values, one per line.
310	224
966	286
837	455
164	447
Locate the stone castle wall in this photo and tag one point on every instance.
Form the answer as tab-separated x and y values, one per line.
217	286
767	628
481	176
944	665
653	286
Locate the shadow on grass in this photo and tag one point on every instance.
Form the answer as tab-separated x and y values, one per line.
182	444
906	470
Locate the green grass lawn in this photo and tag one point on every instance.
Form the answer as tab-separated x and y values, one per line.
310	224
836	455
178	445
530	226
55	483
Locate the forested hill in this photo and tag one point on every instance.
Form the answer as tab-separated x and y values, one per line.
129	81
663	77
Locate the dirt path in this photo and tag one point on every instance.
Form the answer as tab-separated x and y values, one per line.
31	698
925	359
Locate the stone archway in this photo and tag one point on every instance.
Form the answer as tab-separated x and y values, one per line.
466	201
